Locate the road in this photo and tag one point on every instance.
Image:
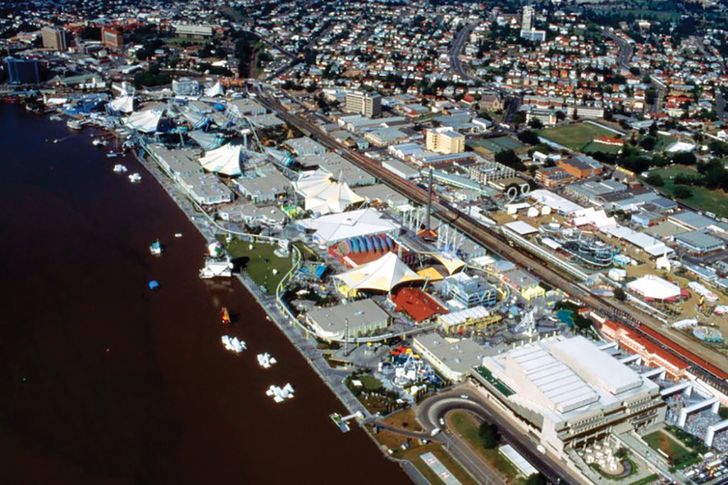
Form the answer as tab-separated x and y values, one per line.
495	241
431	411
455	50
625	50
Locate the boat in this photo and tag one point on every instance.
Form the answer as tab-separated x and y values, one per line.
119	168
98	142
266	360
155	248
177	234
112	154
233	344
280	394
55	118
74	124
225	316
135	177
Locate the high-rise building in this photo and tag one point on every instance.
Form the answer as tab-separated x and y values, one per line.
22	71
367	104
112	38
527	21
444	140
54	38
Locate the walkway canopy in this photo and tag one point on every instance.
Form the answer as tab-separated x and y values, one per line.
381	275
323	195
451	263
145	121
224	160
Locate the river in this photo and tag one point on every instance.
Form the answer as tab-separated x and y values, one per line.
104	381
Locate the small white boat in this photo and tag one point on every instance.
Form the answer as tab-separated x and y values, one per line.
217	268
266	361
177	234
233	344
135	178
55	118
280	394
119	168
112	154
155	248
74	124
99	142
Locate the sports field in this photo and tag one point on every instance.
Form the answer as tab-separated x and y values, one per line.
578	136
495	145
715	201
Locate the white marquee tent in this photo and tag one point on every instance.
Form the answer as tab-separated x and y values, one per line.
122	104
337	227
215	90
224	160
323	195
145	121
383	274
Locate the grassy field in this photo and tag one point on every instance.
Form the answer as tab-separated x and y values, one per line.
495	145
592	147
715	201
259	262
660	440
467	427
577	136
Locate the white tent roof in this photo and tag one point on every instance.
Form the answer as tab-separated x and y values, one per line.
122	104
336	227
215	90
382	274
651	286
145	121
224	160
323	195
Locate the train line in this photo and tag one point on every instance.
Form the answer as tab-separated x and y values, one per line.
499	244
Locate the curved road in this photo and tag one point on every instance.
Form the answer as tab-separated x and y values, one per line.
432	410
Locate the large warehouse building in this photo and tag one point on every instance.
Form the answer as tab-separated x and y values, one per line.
569	392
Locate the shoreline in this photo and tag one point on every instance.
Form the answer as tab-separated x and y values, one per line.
274	314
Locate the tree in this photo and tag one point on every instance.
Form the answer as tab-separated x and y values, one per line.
509	159
536	479
535	123
682	192
648	143
620	294
655	180
488	434
529	137
684	158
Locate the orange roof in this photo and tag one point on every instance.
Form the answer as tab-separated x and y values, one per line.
417	304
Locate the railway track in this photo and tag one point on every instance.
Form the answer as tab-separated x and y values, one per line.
500	245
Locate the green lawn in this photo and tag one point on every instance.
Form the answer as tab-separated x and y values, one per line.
715	201
592	147
495	145
467	427
259	262
659	440
576	136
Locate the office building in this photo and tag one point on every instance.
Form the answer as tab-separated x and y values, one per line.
185	86
54	38
350	320
23	71
367	104
444	140
527	19
192	31
569	392
112	38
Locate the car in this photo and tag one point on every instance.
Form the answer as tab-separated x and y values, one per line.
464	396
442	422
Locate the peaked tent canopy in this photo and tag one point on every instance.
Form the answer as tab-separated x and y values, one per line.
224	160
383	274
122	104
323	195
336	227
207	141
145	121
215	90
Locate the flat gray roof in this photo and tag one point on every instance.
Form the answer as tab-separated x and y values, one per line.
361	313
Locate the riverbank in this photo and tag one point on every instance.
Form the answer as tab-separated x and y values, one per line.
103	381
